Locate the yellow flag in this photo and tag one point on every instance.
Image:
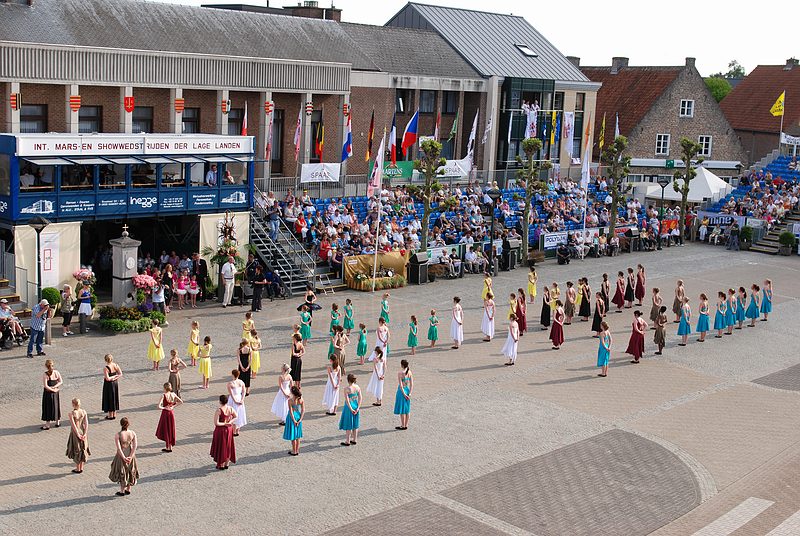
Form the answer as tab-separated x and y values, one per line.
553	129
602	139
777	108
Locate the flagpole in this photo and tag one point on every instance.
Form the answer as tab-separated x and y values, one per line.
780	131
378	229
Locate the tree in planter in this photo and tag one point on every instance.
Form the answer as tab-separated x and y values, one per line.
430	166
618	165
531	174
689	151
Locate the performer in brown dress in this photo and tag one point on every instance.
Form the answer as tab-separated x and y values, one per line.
677	303
660	337
78	442
51	403
123	468
111	375
654	310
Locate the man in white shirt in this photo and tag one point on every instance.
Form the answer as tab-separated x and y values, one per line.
228	279
211	176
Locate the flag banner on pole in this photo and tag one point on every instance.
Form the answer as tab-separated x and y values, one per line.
370	137
319	144
268	155
471	142
777	108
244	120
347	148
320	172
455	168
585	167
616	127
393	141
297	132
553	127
789	140
510	125
558	126
569	130
488	128
454	128
377	169
410	134
438	125
601	140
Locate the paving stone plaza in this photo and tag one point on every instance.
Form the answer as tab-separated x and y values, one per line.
703	439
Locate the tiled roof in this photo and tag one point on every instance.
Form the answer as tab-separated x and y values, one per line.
631	92
747	106
409	51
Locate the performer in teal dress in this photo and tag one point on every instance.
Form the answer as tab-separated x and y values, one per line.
385	307
684	327
753	307
336	318
349	420
720	321
703	320
741	307
349	324
766	299
433	330
604	350
402	399
305	325
361	349
293	429
730	313
412	335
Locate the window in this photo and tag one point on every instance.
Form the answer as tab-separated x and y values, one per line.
90	119
662	144
142	119
5	174
277	142
527	51
427	101
580	102
316	121
705	143
190	121
450	102
402	100
235	117
558	102
687	108
33	118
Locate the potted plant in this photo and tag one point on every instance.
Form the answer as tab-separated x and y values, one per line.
745	238
787	242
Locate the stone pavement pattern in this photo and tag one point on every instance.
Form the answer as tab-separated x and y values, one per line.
695	410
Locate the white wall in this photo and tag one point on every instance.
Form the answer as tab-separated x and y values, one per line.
61	255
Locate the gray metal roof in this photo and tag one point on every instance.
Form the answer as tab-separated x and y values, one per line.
488	42
409	51
151	26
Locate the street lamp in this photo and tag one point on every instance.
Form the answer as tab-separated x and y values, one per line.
38	224
494	194
663	181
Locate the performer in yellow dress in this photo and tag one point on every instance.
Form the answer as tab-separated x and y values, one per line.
255	352
487	286
555	294
533	277
155	350
512	305
247	325
205	361
579	297
194	342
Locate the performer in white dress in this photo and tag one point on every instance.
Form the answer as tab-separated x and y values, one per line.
280	406
510	347
375	385
382	336
236	390
487	324
330	400
457	324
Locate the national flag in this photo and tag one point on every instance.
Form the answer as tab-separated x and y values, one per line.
558	126
531	122
510	124
410	134
370	137
393	141
454	128
777	108
244	120
471	142
585	167
268	151
553	127
377	169
488	128
569	131
347	148
297	132
319	143
601	140
438	124
616	127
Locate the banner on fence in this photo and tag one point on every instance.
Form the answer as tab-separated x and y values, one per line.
553	240
320	172
457	168
789	140
715	218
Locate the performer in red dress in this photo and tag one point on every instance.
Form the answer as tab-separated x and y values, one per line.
557	331
166	423
522	312
223	448
619	295
636	342
641	281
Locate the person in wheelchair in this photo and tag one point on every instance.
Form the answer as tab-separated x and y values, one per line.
8	317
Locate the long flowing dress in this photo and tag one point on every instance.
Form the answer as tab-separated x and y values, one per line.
51	403
660	336
155	353
123	473
531	286
244	368
78	450
585	309
348	317
719	316
255	354
512	343
349	421
677	304
296	364
603	353
166	423
457	325
204	363
545	317
752	308
522	315
433	330
640	289
280	404
487	285
293	431
766	301
557	330
336	320
703	321
385	310
619	295
604	291
223	445
194	344
402	405
685	328
305	325
569	306
330	398
412	336
175	378
654	311
597	319
381	340
361	349
375	385
629	289
237	391
636	342
487	324
110	393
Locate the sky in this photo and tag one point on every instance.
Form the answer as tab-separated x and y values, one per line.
714	31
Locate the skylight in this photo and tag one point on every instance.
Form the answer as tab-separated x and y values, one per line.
525	49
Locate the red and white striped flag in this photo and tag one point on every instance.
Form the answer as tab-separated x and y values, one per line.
297	134
244	120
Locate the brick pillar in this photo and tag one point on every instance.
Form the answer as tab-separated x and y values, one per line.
305	153
175	117
262	135
457	149
12	116
492	109
125	118
71	116
222	119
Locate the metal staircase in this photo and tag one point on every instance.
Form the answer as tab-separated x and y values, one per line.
769	244
292	263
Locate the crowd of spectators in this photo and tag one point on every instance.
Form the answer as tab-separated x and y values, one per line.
762	196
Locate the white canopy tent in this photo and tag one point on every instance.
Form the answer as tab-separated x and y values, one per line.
703	187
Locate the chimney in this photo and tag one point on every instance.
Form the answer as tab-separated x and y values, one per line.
617	63
791	63
690	63
574	60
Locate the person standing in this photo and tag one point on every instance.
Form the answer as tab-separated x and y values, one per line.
412	335
630	286
85	306
245	362
375	385
155	349
305	323
605	290
193	348
111	375
336	318
433	328
361	349
512	341
349	323
211	176
544	319
487	285
200	270
350	421
685	328
259	282
677	303
402	399
255	352
766	300
204	363
294	423
166	423
569	306
599	312
280	404
382	336
730	314
124	470
557	331
521	312
657	301
703	319
228	279
67	304
223	446
39	315
636	342
330	398
604	349
532	280
236	392
457	324
741	307
51	401
585	295
660	336
720	315
175	366
641	284
754	306
78	441
619	293
733	242
385	307
487	324
296	362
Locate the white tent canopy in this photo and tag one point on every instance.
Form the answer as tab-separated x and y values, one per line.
703	187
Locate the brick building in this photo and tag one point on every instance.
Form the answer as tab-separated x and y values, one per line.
747	107
657	106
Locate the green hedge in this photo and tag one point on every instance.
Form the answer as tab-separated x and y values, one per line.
117	325
52	295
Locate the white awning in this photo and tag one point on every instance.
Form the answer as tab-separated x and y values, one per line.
49	161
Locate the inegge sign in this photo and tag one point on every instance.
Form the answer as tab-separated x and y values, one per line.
144	202
94	145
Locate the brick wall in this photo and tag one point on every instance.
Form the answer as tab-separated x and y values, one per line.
663	118
158	99
110	101
5	88
290	104
54	96
207	102
363	100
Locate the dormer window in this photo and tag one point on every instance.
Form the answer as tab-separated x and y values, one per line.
525	49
